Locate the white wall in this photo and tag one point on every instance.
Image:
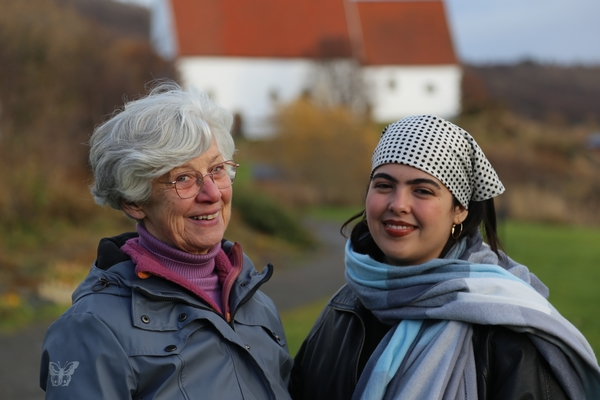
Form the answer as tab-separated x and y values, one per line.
400	91
249	86
253	86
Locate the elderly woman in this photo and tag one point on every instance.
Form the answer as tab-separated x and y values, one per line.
173	311
430	311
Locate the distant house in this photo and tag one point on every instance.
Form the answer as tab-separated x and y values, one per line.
252	54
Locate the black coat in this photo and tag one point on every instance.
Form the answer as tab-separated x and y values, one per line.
331	359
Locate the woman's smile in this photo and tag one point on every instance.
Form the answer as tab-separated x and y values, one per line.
398	228
398	194
205	217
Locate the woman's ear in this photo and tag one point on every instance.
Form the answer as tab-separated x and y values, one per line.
460	214
133	210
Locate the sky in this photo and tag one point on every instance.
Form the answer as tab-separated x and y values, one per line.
507	31
553	31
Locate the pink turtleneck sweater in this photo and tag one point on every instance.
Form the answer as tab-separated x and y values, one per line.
198	269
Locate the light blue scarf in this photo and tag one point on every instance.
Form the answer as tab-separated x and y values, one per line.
428	354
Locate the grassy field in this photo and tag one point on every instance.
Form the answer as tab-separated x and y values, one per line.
566	259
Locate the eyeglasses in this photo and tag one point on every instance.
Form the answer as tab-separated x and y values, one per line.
188	184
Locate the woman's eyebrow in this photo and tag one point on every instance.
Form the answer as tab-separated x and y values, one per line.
187	167
420	181
416	181
383	175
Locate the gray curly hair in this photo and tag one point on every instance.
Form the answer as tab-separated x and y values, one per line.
150	137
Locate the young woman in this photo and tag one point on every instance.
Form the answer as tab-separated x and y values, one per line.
430	311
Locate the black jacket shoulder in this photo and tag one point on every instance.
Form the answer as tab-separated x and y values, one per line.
331	359
109	250
510	367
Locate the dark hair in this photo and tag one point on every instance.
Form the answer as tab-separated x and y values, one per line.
481	214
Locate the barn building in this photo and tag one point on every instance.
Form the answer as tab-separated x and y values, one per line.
395	57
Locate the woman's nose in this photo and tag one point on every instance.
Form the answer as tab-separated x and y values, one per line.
400	203
209	190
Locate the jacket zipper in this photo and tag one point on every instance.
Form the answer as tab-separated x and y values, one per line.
362	342
244	300
230	280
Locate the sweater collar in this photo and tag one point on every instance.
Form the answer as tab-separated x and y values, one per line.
172	257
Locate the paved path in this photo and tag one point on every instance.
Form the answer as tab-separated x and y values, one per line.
19	364
318	276
314	277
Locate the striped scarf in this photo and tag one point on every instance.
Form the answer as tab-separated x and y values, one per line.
428	353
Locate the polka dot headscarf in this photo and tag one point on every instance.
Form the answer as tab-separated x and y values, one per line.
443	150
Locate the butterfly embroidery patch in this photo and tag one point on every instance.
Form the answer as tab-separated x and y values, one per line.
62	376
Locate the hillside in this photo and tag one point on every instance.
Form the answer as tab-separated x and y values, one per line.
122	20
546	93
534	122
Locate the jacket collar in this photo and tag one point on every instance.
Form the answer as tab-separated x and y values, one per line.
114	270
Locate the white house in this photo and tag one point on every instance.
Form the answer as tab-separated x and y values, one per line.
252	54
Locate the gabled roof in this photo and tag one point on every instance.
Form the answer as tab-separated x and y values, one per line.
388	32
404	33
261	28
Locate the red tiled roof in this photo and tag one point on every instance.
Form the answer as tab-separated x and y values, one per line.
387	32
261	28
405	33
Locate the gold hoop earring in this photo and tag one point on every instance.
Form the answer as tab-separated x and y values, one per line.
456	235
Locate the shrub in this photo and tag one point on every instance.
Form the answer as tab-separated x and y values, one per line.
265	215
323	154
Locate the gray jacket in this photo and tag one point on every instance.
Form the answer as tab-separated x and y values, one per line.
130	338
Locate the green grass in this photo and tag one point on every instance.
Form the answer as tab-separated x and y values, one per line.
297	323
566	259
24	315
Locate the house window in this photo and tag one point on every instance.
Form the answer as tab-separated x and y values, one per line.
392	84
274	95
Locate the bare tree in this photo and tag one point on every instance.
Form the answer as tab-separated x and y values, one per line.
339	82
